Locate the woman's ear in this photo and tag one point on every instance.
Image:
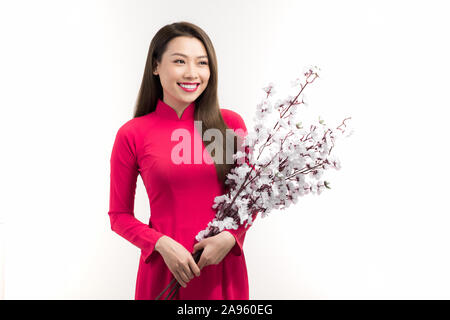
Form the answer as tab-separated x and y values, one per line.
155	68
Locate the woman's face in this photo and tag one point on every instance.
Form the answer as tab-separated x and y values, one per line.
184	61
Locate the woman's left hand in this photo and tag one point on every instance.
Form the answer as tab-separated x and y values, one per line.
215	248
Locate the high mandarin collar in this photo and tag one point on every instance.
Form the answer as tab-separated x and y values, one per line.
165	111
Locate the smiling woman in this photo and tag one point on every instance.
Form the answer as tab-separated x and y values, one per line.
178	90
181	54
188	71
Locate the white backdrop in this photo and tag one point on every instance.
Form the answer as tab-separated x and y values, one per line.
70	75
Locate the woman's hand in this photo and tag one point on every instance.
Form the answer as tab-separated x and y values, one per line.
215	248
179	260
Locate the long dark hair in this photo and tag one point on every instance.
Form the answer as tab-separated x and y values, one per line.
207	105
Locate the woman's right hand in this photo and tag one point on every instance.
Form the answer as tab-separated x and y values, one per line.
179	260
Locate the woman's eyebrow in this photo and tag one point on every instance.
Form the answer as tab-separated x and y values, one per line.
183	55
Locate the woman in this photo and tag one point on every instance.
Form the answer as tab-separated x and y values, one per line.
179	86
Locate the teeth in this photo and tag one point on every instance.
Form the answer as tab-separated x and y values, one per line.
188	86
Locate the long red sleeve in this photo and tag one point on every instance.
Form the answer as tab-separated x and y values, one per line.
236	122
124	172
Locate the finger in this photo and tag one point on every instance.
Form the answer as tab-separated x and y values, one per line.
194	267
188	272
183	274
201	262
198	246
180	281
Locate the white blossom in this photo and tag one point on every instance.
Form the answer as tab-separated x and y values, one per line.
288	162
270	90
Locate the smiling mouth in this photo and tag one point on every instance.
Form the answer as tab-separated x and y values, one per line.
189	88
189	84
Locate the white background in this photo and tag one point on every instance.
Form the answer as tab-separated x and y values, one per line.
70	74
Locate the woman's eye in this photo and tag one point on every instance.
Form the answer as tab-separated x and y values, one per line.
205	63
